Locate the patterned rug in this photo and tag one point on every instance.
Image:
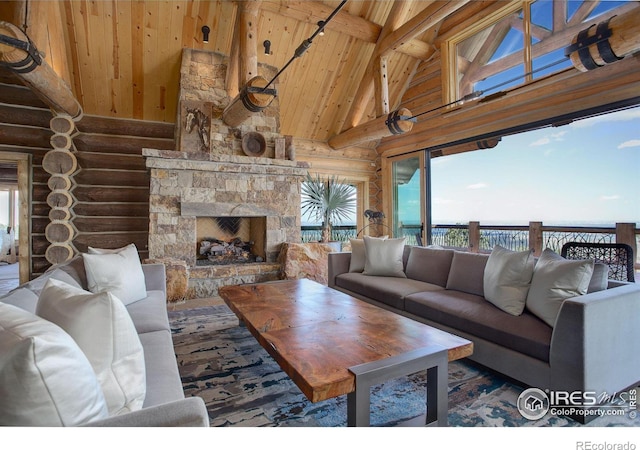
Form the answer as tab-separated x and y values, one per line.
243	386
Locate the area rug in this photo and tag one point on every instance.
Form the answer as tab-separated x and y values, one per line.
243	386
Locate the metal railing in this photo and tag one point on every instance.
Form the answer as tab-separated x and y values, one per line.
341	233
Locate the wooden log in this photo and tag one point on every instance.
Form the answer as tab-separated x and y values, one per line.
59	253
112	209
59	214
110	194
37	74
101	224
17	115
61	141
14	94
88	160
248	24
62	124
468	147
59	232
59	162
111	143
247	103
112	240
59	199
126	127
393	124
112	178
59	182
624	39
25	136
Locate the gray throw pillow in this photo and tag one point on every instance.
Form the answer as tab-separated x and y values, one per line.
600	278
430	265
467	272
383	257
556	279
507	278
356	263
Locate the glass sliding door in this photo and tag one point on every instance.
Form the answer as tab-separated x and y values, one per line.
408	198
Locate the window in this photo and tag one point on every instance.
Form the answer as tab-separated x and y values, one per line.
522	42
407	191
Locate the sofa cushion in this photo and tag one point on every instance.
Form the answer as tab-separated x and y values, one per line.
507	278
384	257
23	298
45	379
556	279
102	328
120	273
430	265
467	272
160	360
474	315
150	313
387	290
75	269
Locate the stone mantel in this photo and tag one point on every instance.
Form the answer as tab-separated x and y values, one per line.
219	209
172	159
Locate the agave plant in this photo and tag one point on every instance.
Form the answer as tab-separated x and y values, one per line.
328	200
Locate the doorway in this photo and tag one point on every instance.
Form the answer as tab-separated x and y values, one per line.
14	219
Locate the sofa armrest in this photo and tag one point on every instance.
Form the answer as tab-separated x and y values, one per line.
187	412
155	277
595	341
338	263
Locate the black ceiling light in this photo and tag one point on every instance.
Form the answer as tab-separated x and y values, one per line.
205	34
267	47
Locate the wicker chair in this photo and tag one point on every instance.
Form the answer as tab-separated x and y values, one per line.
619	257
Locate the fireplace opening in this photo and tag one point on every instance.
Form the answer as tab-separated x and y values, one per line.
230	240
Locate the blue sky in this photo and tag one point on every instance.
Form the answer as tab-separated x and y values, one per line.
585	172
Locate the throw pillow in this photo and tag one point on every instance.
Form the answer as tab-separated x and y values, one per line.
383	257
104	331
120	273
556	279
45	379
429	264
356	263
599	279
507	278
467	272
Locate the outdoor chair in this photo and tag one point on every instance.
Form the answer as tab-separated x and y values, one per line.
619	257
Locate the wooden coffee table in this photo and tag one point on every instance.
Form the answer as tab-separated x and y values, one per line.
332	344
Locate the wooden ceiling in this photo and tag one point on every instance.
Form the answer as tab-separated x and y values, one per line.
122	58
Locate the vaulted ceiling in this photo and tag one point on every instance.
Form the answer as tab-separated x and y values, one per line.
122	58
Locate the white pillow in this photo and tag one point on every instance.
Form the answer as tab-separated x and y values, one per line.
45	379
383	257
507	278
356	263
119	273
556	279
104	331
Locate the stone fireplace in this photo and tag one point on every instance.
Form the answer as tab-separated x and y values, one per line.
208	197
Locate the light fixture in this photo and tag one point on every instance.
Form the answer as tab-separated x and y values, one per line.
321	25
267	47
205	34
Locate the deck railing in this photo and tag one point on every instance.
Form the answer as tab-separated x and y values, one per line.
475	237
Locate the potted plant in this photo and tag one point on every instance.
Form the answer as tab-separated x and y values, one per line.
328	200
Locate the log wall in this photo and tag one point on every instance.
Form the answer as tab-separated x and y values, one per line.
110	184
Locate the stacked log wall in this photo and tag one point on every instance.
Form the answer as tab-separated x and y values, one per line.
110	185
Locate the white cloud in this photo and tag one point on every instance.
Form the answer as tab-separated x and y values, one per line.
541	141
558	136
631	143
609	197
442	201
477	186
620	116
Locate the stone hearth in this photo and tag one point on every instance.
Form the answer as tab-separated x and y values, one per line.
184	189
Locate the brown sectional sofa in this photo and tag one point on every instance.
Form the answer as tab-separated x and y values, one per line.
592	346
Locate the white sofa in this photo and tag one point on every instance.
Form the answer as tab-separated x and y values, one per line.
164	402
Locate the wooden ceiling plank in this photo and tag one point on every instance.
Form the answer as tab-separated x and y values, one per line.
137	59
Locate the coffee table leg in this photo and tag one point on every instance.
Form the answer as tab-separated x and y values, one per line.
433	358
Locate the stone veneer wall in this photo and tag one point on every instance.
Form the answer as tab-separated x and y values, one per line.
183	189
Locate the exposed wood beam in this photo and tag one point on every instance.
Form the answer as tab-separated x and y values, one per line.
232	79
366	88
426	19
248	13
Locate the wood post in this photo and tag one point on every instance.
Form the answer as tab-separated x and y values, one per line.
19	52
474	237
626	234
613	39
393	124
535	237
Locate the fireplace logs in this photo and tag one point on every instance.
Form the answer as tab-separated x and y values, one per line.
217	252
